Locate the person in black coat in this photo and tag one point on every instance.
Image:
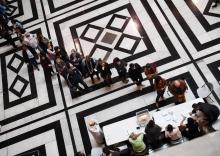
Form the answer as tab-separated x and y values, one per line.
134	73
75	77
62	54
90	67
105	71
120	66
30	56
190	129
76	59
153	134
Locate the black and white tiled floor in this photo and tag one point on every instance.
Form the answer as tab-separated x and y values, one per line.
39	115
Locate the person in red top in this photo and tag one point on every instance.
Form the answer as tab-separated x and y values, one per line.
150	71
160	86
46	64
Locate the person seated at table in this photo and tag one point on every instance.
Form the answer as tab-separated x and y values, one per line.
137	143
173	134
205	116
190	130
153	133
108	152
79	154
195	107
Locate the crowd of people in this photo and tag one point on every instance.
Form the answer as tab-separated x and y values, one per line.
74	68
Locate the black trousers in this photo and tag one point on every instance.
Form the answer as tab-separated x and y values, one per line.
159	95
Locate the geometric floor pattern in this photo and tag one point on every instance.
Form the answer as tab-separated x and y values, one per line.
39	115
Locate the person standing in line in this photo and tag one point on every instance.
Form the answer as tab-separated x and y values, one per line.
160	86
150	71
134	73
120	66
75	78
62	54
46	64
90	67
76	59
30	56
105	71
30	40
62	68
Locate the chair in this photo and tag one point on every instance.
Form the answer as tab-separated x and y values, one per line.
143	117
205	91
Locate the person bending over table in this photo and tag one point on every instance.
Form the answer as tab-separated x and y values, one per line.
178	89
138	145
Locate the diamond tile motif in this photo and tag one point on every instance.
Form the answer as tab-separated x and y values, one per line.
18	86
91	33
102	52
127	43
118	23
16	63
109	38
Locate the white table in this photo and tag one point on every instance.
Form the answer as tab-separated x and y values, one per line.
203	91
120	131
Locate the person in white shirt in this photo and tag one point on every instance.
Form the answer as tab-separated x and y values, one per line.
96	131
30	40
30	56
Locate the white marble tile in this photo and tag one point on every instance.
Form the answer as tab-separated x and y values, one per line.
127	43
52	149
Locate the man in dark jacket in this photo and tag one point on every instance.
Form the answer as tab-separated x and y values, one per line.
62	54
75	77
120	66
90	67
135	73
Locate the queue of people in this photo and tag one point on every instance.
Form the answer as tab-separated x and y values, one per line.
75	67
